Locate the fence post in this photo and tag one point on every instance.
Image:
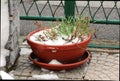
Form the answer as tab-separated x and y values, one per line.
69	8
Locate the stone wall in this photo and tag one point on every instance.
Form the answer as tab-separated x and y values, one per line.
14	32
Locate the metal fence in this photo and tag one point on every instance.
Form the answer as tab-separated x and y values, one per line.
56	10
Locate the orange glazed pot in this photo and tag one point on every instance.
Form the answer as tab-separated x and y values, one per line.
62	53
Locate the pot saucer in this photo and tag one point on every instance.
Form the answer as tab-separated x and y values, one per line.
58	67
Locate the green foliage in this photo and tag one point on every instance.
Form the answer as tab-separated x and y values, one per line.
66	27
70	27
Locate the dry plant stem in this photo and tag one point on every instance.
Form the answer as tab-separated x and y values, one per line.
51	35
80	37
45	35
94	33
74	33
37	24
41	37
57	21
37	38
87	19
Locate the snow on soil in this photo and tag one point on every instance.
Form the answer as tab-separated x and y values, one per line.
58	41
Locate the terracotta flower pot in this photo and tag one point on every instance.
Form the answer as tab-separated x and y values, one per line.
62	53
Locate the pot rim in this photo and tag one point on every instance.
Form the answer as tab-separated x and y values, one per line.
31	33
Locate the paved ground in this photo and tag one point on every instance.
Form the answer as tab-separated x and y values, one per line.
103	66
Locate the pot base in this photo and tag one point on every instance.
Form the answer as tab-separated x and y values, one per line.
58	67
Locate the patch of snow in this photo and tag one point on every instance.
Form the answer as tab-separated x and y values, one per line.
11	73
46	76
62	71
54	61
25	51
25	43
44	70
5	76
51	72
